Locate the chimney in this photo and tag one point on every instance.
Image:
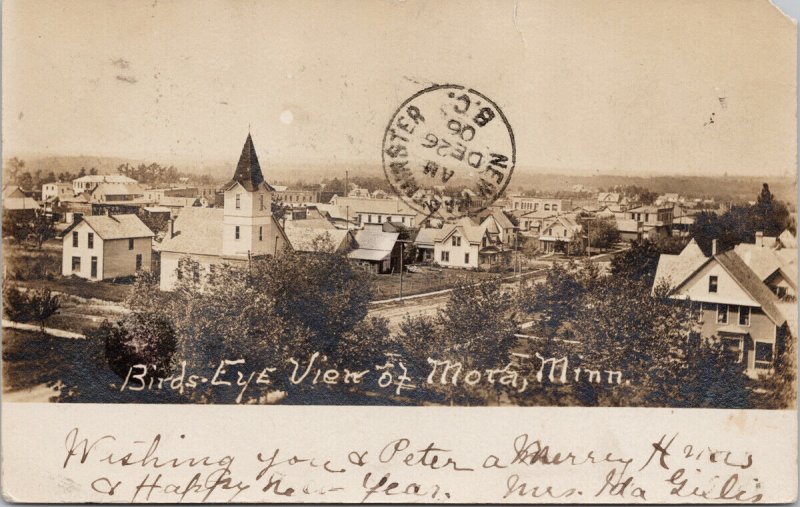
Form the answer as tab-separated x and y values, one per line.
760	238
171	228
713	247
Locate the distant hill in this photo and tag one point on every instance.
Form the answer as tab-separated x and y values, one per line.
733	188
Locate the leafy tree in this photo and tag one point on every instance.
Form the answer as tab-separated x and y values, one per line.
475	330
42	228
638	263
13	168
602	233
15	228
16	304
555	299
42	305
140	338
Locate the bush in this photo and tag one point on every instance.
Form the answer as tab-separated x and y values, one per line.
139	338
15	305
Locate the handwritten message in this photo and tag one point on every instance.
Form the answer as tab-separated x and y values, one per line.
526	468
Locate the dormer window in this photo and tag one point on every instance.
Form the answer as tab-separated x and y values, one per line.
238	201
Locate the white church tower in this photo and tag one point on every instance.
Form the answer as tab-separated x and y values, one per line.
249	228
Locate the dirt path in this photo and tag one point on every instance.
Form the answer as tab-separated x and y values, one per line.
48	330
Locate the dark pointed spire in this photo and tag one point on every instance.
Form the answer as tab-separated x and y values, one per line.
248	171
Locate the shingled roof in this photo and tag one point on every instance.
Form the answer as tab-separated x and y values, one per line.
115	226
248	170
750	282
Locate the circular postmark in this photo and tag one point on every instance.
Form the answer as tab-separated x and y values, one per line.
448	148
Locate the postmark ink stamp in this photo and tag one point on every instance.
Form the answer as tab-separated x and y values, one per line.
449	148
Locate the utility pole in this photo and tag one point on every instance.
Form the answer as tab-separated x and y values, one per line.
402	243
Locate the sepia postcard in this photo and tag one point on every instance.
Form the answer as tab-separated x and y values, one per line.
395	251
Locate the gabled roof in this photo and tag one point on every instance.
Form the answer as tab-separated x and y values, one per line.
426	237
787	239
303	239
104	178
115	226
373	244
118	189
501	219
197	231
168	200
675	269
309	223
473	233
765	262
248	171
19	203
750	282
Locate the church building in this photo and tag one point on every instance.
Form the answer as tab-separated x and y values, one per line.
244	228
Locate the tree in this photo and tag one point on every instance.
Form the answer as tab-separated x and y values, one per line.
44	305
555	299
12	170
42	228
15	228
602	233
140	338
475	330
638	263
15	304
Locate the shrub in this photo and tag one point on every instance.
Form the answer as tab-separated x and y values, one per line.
139	338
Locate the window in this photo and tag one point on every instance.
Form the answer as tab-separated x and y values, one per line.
261	233
744	315
130	244
402	220
722	314
261	200
445	256
369	218
456	240
379	219
90	242
138	262
713	283
237	232
555	207
94	267
763	355
547	207
734	347
75	239
466	258
238	201
76	264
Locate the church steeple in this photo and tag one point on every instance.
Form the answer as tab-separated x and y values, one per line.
248	171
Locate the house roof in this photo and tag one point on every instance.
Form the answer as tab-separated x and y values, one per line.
303	239
787	239
104	178
118	189
248	171
501	219
373	244
115	226
650	209
375	206
675	269
765	262
473	233
12	191
197	231
19	203
309	223
752	284
426	237
608	197
167	200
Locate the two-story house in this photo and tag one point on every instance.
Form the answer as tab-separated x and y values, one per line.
734	305
106	246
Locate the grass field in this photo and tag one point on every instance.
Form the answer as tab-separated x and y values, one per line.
388	285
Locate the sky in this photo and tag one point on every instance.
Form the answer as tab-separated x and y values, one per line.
593	86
